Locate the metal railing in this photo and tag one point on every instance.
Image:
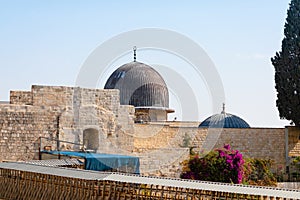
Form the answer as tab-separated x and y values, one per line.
81	146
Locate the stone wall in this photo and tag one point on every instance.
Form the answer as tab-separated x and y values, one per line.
68	111
21	97
266	143
149	136
20	127
252	142
293	141
51	96
72	111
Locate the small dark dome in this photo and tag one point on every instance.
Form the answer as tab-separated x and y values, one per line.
140	85
224	120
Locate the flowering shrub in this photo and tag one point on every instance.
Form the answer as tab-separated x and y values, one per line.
257	172
228	166
221	165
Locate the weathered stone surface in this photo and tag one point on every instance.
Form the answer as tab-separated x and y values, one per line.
265	143
21	97
71	112
50	110
293	141
20	127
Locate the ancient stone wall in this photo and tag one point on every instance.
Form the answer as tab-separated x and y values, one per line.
20	127
69	111
149	136
162	147
51	96
21	97
293	141
79	114
126	118
266	143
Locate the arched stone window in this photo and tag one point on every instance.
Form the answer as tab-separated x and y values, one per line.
91	138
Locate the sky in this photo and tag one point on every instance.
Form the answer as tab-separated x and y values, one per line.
47	43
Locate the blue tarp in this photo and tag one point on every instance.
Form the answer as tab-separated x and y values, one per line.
104	162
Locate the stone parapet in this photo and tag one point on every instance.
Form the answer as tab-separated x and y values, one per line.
21	97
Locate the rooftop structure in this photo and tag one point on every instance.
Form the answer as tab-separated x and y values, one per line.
224	120
142	87
84	184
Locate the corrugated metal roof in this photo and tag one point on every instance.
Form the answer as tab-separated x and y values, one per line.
210	186
180	183
56	171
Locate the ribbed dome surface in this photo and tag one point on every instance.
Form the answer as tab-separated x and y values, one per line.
140	85
224	120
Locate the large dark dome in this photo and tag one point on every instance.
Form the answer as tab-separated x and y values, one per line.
224	120
140	85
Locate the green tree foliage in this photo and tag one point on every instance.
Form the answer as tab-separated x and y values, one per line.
295	168
287	67
257	172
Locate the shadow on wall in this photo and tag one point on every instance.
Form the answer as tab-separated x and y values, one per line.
91	139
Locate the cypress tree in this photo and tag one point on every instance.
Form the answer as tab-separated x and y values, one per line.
287	67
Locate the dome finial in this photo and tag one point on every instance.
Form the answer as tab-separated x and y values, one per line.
223	111
134	53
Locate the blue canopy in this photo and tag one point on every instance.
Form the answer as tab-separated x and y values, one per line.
104	162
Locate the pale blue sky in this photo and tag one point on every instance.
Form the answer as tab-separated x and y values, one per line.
46	42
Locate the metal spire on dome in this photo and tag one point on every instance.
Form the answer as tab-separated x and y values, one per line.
223	111
134	53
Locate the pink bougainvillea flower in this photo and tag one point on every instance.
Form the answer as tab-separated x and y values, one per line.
227	146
